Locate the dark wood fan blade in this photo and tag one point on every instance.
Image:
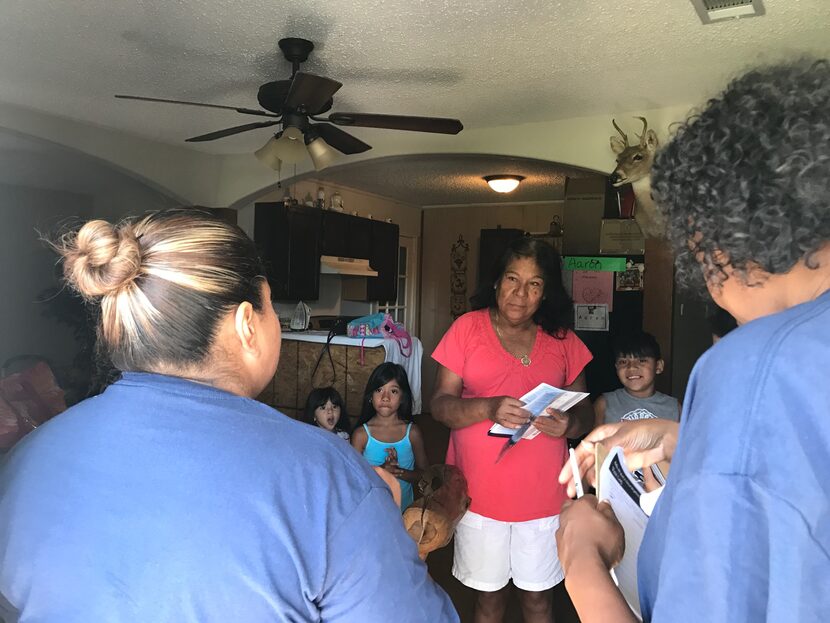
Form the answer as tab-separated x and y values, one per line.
212	136
340	140
309	93
244	111
438	125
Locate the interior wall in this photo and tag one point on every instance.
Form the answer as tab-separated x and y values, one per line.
45	189
192	177
442	227
29	270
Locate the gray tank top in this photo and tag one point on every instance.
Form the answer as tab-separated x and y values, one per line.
620	405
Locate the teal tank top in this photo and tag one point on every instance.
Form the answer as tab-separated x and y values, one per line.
375	453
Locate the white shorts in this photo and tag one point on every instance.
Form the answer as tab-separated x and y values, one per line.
488	553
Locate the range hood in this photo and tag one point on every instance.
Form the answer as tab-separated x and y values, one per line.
332	265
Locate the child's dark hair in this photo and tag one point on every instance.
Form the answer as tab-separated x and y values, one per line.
380	376
636	344
318	398
721	322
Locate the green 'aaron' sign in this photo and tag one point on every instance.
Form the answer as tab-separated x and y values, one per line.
604	264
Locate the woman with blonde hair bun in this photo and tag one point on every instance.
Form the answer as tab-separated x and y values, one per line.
174	496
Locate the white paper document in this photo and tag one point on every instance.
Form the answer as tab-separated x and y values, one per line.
537	400
618	486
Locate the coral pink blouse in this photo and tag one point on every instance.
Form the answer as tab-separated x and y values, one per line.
523	485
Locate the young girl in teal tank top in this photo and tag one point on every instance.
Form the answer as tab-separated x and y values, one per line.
385	434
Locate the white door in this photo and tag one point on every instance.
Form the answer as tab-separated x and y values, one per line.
404	308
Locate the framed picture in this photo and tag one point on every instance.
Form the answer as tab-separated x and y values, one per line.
631	279
591	317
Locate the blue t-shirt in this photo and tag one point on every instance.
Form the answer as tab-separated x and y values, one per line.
742	530
167	500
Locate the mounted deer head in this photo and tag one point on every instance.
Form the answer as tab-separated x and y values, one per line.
633	161
634	167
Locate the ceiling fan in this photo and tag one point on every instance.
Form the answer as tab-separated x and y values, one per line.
293	104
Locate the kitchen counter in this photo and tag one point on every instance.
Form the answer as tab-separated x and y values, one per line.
305	363
320	338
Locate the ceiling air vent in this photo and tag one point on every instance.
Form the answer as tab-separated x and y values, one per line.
711	11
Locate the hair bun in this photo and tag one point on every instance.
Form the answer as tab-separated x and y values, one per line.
101	258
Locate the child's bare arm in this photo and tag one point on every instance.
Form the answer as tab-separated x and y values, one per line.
418	448
359	440
416	438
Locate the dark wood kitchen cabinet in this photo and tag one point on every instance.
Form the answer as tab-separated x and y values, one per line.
288	239
292	239
384	259
345	235
492	245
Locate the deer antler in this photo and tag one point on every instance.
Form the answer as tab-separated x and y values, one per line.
625	138
642	136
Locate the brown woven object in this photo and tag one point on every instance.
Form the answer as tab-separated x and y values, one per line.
431	520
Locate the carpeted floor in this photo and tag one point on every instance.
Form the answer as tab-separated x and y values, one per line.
436	438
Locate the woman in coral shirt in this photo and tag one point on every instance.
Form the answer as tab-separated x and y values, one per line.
517	338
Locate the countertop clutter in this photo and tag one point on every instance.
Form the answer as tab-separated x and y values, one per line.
321	336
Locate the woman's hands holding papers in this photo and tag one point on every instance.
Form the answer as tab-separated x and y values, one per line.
508	412
590	541
552	422
644	443
589	531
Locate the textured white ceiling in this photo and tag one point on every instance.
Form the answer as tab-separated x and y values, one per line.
489	63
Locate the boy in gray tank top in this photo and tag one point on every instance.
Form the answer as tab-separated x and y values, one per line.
638	361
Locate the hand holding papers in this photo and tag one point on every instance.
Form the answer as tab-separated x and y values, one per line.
644	442
536	401
631	505
617	486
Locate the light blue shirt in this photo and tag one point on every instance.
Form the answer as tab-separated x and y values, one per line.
375	453
742	531
165	500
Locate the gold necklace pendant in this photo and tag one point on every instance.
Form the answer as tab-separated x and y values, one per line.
523	359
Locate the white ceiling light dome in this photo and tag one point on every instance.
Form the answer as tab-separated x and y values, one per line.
503	183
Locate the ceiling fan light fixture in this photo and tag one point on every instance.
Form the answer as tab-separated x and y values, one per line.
289	150
293	133
267	154
293	102
503	183
322	154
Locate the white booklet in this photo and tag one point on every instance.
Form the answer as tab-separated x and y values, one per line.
632	506
537	400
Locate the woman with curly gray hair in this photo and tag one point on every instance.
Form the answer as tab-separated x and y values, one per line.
742	529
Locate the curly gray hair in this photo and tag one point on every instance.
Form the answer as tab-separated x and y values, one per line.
749	176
